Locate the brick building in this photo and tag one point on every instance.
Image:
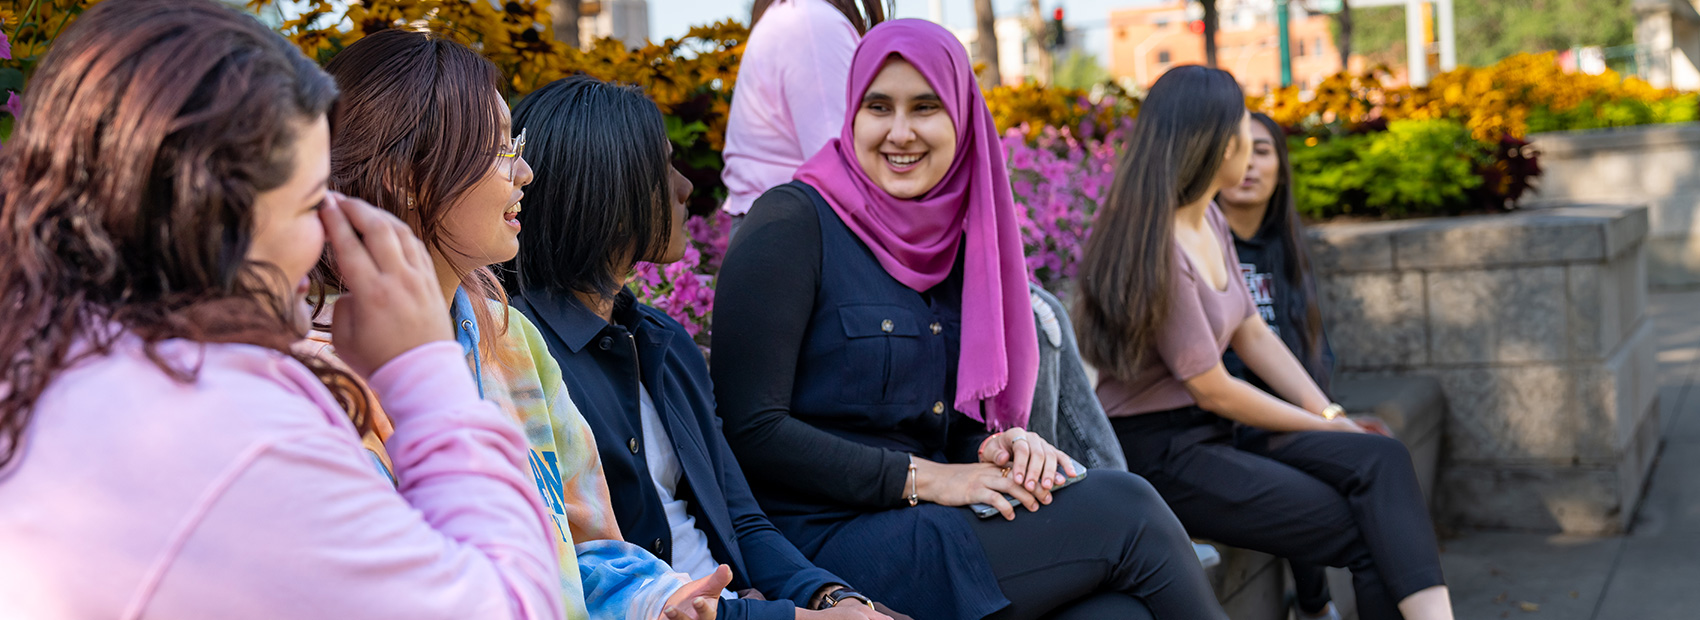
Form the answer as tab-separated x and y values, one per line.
1146	41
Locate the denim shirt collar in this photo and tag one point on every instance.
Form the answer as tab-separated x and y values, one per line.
466	333
577	325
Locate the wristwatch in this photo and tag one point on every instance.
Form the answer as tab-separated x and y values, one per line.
1333	410
833	598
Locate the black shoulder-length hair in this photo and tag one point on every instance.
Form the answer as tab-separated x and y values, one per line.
1175	149
598	201
1281	219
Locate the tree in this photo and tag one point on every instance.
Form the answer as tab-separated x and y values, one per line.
1081	71
1212	24
1490	30
566	21
1343	20
987	44
1036	26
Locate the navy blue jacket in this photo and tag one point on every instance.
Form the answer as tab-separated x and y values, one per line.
601	363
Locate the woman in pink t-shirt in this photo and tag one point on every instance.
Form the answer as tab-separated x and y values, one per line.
164	453
1160	301
790	96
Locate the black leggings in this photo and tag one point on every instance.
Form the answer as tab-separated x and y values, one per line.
1320	498
1106	548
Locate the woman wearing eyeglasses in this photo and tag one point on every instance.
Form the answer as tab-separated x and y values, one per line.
423	132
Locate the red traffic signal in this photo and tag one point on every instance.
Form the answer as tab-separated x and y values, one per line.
1197	26
1058	14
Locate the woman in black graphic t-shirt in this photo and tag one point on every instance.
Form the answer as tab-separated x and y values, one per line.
1270	241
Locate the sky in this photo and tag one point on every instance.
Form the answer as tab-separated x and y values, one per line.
671	18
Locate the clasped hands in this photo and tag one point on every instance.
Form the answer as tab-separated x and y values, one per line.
1015	463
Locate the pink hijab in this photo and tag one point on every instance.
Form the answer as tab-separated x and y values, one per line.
917	240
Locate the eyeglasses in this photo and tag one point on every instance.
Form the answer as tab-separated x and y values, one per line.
508	158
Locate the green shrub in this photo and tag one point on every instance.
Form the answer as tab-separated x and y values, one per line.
1414	168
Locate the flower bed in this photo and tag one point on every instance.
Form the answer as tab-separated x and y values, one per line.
1358	148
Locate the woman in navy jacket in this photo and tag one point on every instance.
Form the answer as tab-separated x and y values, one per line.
604	194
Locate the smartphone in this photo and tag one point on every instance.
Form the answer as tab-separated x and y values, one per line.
986	511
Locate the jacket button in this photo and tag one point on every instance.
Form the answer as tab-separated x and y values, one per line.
938	407
633	444
466	324
886	326
606	343
937	328
657	546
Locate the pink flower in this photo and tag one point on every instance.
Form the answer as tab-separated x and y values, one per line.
5	43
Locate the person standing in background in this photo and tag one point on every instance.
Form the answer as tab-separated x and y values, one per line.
1270	242
790	96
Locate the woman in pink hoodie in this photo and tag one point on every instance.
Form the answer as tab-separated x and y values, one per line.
163	452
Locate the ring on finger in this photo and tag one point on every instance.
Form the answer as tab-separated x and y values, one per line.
1005	472
1018	438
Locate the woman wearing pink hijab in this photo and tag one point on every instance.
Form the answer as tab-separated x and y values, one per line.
875	360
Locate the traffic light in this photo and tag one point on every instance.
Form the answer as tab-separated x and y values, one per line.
1056	36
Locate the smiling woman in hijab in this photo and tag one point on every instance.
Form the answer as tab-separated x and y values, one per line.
862	398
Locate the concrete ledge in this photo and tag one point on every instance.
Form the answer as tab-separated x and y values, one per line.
1533	324
1558	235
1652	165
1571	144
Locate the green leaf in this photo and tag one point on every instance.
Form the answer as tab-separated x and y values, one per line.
11	79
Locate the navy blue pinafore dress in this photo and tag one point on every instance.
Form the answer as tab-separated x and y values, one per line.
878	366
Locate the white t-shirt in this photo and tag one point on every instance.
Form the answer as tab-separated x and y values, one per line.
690	544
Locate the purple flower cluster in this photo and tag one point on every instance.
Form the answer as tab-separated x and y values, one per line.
685	289
1059	179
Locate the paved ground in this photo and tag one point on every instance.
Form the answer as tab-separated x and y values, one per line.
1654	572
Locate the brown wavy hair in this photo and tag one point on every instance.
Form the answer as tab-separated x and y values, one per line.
420	119
127	194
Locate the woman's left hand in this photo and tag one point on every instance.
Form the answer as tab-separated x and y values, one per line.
1034	463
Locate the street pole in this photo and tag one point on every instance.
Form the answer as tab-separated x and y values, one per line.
1448	36
1416	46
1281	28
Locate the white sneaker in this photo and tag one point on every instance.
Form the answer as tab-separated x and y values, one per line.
1208	556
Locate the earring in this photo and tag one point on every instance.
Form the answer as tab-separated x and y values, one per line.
409	203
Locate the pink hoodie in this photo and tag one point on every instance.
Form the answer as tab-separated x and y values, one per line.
246	494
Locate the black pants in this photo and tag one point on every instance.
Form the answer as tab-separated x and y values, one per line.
1107	547
1320	498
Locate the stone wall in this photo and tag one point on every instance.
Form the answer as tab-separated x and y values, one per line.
1653	165
1535	325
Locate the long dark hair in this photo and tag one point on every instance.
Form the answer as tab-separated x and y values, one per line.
127	194
1281	219
420	119
864	18
1173	153
598	202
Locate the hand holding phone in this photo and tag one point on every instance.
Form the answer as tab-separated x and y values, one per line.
986	511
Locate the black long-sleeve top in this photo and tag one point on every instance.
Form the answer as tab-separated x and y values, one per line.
764	300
